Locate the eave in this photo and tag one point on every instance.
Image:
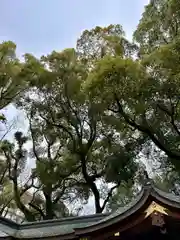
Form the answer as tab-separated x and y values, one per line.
148	193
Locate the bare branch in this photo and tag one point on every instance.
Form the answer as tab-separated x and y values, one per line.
109	196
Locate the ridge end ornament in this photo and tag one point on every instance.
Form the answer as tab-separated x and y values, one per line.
155	208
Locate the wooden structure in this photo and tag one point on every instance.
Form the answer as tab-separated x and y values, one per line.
153	215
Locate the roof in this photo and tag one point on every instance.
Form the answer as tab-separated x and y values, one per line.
64	226
70	227
46	228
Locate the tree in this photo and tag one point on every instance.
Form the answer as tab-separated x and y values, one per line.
10	87
124	195
11	81
41	196
6	197
12	84
61	106
95	109
159	25
16	159
53	174
168	182
144	92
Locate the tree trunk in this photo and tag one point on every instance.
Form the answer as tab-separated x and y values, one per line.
49	205
91	185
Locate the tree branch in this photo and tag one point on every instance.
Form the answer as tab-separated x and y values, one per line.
109	196
148	131
171	115
32	136
37	209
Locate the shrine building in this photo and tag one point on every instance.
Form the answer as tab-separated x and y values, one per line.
154	214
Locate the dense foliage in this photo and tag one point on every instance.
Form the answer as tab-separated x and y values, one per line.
98	117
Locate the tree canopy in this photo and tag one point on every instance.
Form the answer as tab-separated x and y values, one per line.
99	115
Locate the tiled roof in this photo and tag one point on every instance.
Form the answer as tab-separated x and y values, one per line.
133	206
47	228
71	225
6	231
62	229
3	234
171	197
57	226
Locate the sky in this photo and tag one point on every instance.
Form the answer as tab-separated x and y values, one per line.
41	26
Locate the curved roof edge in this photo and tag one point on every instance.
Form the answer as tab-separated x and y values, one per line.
71	227
148	190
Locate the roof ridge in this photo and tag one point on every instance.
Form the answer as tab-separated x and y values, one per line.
65	220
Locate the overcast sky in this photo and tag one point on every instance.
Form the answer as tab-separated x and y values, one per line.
40	26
